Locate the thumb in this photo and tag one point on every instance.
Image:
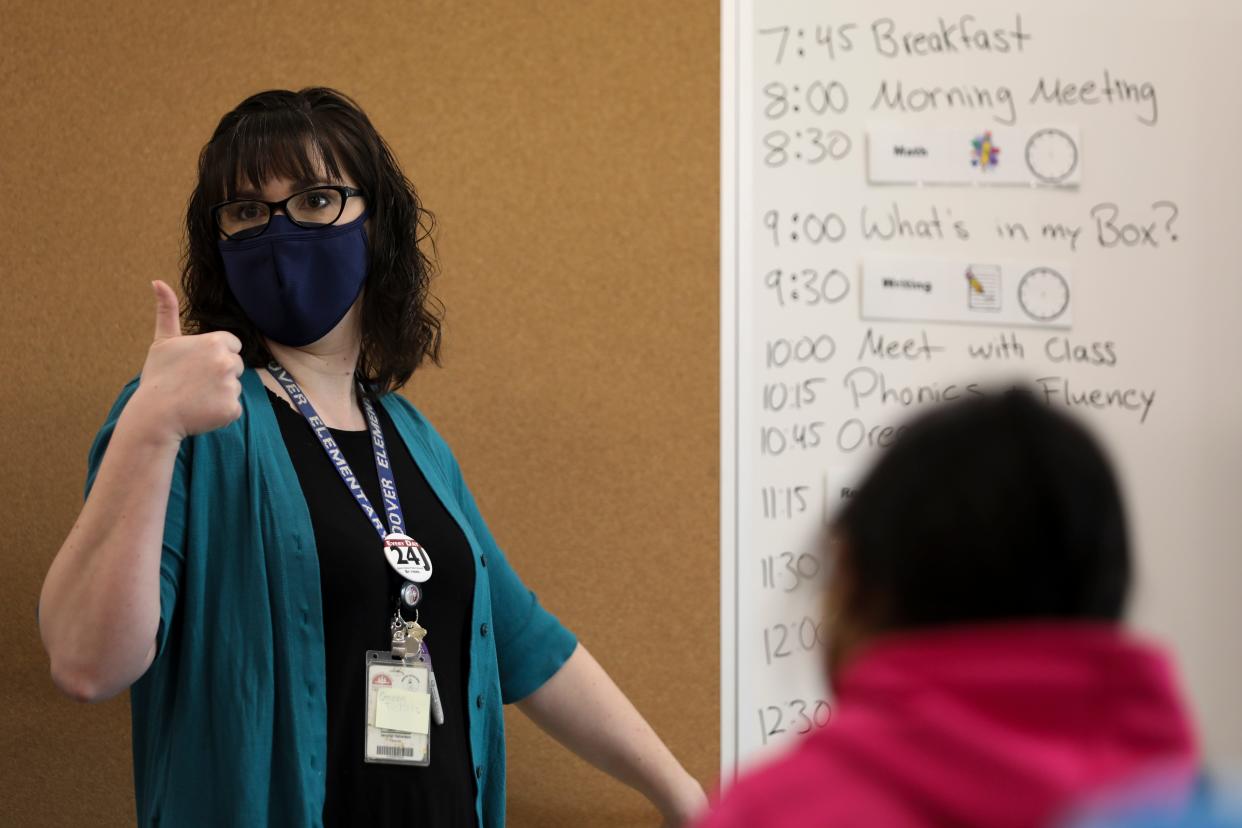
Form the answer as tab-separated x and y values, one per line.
167	317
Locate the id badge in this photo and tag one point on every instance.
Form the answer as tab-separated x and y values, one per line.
398	714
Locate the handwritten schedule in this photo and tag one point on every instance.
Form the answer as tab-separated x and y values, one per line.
926	202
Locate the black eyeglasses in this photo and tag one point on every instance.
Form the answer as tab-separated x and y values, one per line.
316	207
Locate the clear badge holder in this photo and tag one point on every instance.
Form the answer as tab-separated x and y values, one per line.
399	706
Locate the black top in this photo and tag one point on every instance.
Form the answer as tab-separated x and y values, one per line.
359	596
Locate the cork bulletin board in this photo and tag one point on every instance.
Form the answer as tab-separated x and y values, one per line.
569	152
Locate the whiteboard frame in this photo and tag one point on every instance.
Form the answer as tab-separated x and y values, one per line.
1184	598
730	285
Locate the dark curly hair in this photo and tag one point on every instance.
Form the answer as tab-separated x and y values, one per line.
990	508
279	133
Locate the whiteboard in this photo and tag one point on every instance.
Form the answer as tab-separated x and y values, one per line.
917	197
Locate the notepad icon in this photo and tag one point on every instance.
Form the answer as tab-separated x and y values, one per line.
983	287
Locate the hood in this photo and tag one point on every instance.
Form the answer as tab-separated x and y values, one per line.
1008	725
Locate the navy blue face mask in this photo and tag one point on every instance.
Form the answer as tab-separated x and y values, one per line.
296	283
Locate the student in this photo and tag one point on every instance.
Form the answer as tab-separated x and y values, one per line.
264	510
982	674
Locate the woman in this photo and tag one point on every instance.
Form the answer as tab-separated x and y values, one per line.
267	522
983	677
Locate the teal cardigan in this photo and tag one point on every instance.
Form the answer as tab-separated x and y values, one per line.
230	721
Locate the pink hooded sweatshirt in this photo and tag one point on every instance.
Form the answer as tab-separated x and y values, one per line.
1004	726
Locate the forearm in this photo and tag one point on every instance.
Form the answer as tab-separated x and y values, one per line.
100	604
583	709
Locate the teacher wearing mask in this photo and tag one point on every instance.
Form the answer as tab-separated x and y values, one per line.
279	555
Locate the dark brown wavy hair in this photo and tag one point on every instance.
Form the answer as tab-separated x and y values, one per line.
279	133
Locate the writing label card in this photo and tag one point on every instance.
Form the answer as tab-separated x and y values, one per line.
982	292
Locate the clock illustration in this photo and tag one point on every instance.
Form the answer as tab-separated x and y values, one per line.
1051	155
1043	294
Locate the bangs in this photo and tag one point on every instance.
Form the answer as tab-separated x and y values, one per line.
260	146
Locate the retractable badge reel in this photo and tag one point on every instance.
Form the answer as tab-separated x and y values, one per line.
411	595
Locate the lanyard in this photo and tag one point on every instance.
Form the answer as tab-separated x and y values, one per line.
388	486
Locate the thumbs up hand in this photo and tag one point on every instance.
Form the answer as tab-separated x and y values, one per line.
190	384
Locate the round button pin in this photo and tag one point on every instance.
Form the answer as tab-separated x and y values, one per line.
407	557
